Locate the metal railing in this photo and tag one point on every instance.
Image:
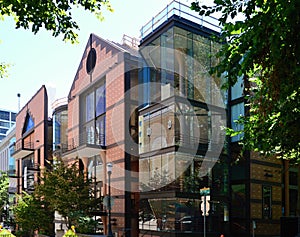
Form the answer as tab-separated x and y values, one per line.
33	167
130	41
181	10
21	145
189	141
85	138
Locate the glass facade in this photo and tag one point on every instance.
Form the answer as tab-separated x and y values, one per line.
179	63
176	129
7	120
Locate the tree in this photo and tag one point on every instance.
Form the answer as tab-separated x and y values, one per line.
54	16
262	45
30	215
3	69
4	183
66	190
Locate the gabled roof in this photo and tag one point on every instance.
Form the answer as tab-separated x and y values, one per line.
111	46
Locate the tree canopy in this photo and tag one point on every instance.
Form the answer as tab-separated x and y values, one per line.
262	45
30	215
54	16
66	190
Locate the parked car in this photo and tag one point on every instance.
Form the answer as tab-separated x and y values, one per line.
184	223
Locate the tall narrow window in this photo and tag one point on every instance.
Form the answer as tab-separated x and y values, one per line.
100	100
267	202
93	105
89	106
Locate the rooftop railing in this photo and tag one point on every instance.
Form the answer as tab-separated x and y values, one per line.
181	10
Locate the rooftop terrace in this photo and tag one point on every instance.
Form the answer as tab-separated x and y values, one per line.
181	10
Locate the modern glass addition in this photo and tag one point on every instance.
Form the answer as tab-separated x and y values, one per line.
179	63
175	130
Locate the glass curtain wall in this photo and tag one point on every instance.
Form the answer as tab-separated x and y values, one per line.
174	136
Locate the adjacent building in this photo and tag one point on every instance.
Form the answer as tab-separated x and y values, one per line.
255	181
7	165
102	122
33	146
7	120
154	112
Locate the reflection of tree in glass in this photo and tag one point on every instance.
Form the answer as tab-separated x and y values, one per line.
159	180
192	182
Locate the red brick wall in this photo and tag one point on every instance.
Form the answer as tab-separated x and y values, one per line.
37	108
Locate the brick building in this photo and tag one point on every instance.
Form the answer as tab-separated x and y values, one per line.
101	118
156	113
33	146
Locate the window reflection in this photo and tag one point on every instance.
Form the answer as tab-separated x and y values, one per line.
172	214
100	100
89	105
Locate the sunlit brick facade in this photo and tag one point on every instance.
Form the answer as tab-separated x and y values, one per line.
100	105
33	146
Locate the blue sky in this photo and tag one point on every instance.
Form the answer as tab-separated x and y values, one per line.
44	60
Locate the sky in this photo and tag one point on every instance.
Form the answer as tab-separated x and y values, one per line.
42	59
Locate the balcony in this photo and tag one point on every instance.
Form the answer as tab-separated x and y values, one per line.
33	167
86	145
22	149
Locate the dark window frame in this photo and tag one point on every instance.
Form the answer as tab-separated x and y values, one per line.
267	202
